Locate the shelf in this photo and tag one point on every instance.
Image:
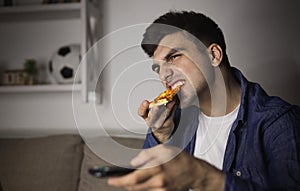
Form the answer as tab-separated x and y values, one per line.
41	88
40	8
36	30
40	12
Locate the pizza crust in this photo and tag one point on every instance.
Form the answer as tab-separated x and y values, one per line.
158	103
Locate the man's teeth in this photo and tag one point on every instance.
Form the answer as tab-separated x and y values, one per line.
180	83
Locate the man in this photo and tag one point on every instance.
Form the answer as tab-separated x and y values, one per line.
227	132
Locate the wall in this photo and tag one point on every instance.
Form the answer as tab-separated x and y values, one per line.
262	41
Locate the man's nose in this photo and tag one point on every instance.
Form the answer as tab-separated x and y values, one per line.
165	73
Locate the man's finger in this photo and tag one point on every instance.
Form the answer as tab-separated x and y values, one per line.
143	109
135	178
158	115
171	112
154	182
142	158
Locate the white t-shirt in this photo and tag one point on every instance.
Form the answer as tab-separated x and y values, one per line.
212	136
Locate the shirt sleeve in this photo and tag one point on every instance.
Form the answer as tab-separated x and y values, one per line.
150	140
282	149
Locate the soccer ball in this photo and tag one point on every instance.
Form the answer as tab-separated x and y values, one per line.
64	63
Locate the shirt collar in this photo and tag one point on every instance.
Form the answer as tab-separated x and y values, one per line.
244	97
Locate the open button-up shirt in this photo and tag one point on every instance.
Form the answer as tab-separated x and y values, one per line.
263	147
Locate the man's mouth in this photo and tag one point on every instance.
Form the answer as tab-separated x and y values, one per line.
178	83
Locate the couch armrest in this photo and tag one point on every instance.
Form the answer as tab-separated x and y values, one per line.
90	159
47	163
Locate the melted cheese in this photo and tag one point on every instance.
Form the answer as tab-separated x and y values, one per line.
165	97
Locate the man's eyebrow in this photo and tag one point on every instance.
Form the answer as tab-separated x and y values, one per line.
167	57
173	51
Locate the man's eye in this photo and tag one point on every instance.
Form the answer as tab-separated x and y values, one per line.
173	57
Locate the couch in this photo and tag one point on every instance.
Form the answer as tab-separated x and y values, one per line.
52	163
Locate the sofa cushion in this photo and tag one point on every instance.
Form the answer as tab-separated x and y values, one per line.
90	159
47	163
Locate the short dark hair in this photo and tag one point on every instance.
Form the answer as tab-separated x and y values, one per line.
197	24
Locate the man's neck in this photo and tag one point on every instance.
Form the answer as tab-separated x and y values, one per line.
223	96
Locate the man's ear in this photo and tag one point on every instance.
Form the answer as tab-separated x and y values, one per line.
216	54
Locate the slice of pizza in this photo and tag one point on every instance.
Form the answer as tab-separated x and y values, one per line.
166	96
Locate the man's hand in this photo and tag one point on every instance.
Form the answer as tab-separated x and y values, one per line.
159	119
168	168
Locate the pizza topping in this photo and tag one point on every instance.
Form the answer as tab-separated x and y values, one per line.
167	95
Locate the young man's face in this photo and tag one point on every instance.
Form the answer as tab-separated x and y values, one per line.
177	60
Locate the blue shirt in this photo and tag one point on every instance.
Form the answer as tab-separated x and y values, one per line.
263	147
